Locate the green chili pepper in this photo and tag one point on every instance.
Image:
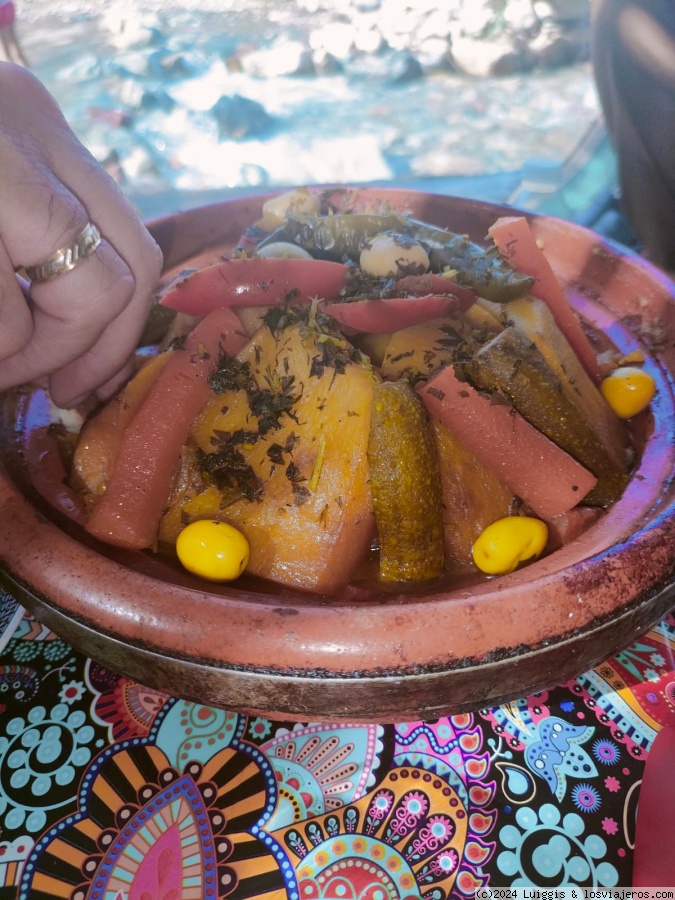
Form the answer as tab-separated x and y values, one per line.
343	237
340	238
484	271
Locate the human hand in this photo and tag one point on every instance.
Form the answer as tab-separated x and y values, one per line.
80	328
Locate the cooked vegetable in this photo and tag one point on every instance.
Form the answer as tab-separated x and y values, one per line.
213	550
340	238
299	201
430	283
484	318
472	495
391	313
535	320
390	254
101	436
514	237
282	447
484	271
511	365
628	390
282	250
508	542
190	498
255	282
160	321
343	237
129	511
405	482
519	455
569	526
417	351
427	421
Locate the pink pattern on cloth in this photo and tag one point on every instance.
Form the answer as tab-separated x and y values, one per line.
160	875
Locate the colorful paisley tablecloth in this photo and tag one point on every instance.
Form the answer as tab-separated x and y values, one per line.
110	790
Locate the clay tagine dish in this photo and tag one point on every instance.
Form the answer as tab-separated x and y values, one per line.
364	654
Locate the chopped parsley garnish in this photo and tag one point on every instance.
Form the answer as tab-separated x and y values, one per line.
334	355
230	374
269	405
231	474
271	401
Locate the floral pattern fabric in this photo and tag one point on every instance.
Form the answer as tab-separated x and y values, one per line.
112	791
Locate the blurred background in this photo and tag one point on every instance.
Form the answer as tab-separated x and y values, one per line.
492	99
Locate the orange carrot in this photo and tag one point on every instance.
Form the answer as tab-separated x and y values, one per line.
129	512
516	242
546	478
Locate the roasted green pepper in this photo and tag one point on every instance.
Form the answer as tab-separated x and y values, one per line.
484	271
343	237
340	238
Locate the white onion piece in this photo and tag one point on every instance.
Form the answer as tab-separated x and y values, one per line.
283	250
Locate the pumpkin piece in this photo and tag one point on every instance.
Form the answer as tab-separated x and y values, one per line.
191	504
372	344
473	497
190	497
251	318
423	349
310	519
482	316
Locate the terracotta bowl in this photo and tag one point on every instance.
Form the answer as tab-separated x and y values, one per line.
365	656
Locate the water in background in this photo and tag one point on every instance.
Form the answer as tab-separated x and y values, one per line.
141	89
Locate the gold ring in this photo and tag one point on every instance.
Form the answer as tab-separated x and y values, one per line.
66	258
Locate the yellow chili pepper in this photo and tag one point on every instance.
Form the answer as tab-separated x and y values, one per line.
628	390
506	543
